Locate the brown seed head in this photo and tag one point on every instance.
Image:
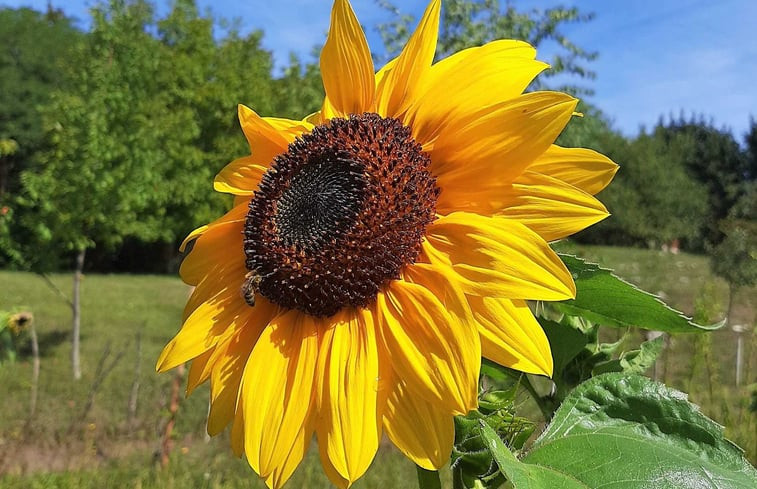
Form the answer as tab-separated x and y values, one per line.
339	214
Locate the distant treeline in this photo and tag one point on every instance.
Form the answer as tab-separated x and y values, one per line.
683	182
109	139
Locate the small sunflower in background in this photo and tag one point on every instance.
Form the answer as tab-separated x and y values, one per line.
379	248
19	322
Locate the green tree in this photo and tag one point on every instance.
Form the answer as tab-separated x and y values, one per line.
735	257
713	158
653	198
467	23
99	180
34	49
300	91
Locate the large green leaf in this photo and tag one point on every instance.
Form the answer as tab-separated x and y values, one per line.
627	431
604	298
525	476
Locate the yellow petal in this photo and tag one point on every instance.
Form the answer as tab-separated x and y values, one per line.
225	275
548	206
237	427
236	214
402	81
314	119
346	64
424	342
199	371
502	70
242	199
212	322
219	242
240	177
288	128
351	400
228	365
265	140
580	167
191	236
491	147
420	429
511	336
441	281
498	257
277	387
381	75
334	476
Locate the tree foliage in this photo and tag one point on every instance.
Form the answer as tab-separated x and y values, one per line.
735	257
679	181
35	47
713	158
96	182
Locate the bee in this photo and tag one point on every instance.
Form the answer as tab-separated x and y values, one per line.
250	287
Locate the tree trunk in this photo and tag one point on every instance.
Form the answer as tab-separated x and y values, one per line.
76	308
134	394
35	371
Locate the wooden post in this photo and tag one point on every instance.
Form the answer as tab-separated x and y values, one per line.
739	330
76	307
35	370
134	394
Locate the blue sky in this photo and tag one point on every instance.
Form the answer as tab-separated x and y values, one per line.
656	57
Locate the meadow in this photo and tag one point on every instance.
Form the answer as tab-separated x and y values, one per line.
85	434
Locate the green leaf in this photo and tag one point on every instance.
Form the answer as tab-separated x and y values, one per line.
604	298
627	431
503	376
524	476
565	342
634	361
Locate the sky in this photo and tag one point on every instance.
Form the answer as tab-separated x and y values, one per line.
656	57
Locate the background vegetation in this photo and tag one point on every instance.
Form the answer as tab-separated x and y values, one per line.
110	138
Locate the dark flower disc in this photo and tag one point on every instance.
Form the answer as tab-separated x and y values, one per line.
338	215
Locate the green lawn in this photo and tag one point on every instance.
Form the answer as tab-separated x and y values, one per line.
56	448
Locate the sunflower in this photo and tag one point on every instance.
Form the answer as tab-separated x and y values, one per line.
379	248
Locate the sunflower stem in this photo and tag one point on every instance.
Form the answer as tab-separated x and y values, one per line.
428	479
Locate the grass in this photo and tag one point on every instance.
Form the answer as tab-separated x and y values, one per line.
58	447
209	467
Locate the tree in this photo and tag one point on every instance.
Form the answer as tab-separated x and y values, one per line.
300	91
34	49
735	257
714	159
654	198
97	182
467	23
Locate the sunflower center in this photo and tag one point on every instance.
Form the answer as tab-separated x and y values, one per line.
338	215
322	200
